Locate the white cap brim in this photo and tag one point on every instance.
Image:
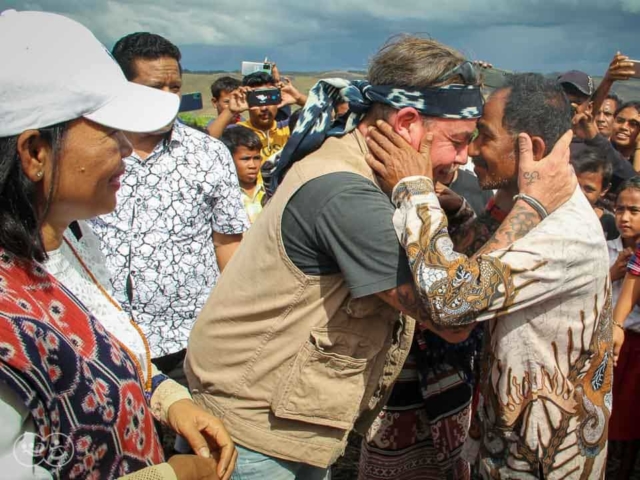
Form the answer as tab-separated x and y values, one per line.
137	108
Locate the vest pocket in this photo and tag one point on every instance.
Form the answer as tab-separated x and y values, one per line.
324	387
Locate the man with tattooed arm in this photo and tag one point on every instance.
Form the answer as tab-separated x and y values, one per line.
539	284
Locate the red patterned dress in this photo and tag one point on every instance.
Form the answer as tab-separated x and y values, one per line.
79	384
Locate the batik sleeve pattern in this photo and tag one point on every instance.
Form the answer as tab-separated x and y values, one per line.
453	288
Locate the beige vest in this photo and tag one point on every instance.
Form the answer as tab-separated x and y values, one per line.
290	362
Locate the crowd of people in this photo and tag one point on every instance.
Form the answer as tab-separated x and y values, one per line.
298	271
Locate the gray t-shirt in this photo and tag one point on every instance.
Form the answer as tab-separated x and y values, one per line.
342	223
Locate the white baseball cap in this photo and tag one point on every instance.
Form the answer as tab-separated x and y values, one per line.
53	69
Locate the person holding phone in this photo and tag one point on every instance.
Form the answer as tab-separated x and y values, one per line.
262	114
588	123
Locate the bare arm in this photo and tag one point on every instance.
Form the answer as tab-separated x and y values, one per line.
635	158
618	270
629	296
237	105
222	121
619	69
520	221
225	246
290	94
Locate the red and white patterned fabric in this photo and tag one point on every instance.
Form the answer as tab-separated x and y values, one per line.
80	385
633	267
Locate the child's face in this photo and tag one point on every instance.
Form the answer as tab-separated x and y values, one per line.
628	213
247	164
591	185
221	103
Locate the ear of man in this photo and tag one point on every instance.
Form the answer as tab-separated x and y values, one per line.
410	125
539	148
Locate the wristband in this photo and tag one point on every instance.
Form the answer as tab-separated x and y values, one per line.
617	324
533	203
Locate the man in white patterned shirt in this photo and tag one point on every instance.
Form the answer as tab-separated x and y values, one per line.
179	217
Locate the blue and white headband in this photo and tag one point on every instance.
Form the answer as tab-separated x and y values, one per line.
316	121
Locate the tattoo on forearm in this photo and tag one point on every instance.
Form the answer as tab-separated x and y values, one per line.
520	221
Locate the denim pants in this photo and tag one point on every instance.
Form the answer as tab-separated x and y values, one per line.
252	465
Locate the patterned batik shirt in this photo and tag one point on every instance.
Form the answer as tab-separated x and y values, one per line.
546	377
159	240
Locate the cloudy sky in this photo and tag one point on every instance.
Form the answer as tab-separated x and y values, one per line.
521	35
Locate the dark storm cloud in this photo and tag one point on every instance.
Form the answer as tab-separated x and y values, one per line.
541	35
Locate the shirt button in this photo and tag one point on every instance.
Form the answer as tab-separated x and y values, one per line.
138	201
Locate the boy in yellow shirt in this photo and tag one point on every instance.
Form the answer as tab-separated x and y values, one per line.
244	145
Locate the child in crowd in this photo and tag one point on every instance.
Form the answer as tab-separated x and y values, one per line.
623	425
220	96
594	173
245	146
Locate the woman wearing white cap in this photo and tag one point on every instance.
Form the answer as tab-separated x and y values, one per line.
78	393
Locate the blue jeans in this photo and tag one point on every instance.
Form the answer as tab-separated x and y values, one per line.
252	465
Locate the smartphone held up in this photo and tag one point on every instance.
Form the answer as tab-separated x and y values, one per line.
252	67
190	102
262	97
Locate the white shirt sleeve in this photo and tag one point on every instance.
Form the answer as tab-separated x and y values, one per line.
17	439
